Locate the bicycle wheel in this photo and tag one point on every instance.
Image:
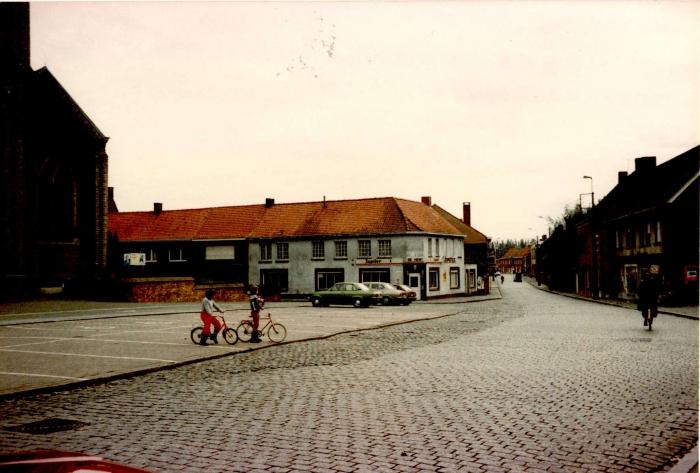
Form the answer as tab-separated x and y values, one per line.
195	334
244	331
277	332
231	336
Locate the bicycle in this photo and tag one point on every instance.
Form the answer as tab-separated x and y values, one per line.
275	331
230	335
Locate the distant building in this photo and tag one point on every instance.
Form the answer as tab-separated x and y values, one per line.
288	249
514	260
53	203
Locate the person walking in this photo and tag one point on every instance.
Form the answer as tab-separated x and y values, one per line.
256	303
648	298
208	318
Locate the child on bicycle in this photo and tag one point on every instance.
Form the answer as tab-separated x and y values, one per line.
256	303
208	318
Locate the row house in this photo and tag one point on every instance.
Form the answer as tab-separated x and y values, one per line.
514	260
647	223
289	249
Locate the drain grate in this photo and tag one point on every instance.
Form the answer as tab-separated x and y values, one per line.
47	426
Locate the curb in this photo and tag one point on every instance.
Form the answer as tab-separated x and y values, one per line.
608	302
688	463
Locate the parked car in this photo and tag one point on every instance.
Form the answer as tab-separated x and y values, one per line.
352	293
390	295
410	293
52	461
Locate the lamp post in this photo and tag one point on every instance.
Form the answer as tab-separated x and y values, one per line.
594	248
592	195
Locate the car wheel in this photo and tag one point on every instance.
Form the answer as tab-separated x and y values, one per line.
385	300
357	303
316	302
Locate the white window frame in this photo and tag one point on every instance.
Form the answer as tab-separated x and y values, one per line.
318	249
361	246
341	249
151	256
454	272
266	251
283	251
384	248
180	253
435	271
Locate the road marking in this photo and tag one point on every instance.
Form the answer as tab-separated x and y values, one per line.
82	339
10	373
88	356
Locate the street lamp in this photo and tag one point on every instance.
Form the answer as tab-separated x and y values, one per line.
595	277
592	195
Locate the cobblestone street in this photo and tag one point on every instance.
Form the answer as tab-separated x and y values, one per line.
533	382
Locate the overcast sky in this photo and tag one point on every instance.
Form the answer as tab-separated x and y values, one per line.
506	105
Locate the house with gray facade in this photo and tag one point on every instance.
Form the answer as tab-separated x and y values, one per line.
289	249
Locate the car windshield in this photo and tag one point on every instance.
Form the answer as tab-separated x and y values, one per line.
402	287
361	286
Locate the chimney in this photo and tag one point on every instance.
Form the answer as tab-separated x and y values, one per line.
14	37
157	208
467	213
427	200
111	204
269	202
621	176
644	164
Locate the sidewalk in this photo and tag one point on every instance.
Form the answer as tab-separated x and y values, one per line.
687	312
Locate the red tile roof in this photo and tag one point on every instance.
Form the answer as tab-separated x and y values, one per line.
310	219
471	235
516	253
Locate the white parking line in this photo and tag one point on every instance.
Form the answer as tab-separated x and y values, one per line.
88	356
10	373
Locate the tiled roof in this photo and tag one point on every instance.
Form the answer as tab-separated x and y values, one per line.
516	253
310	219
471	235
644	190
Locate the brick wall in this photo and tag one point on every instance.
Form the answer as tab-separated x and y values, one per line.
180	290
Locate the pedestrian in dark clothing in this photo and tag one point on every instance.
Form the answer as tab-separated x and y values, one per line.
648	297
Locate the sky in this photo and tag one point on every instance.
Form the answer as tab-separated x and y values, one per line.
503	104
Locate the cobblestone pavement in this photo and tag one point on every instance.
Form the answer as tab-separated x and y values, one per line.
534	382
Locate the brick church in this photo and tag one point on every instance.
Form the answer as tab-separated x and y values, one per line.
53	192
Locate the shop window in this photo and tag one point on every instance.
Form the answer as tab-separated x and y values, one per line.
326	278
434	279
454	278
374	275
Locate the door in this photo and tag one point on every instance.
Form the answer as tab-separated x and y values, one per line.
414	284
